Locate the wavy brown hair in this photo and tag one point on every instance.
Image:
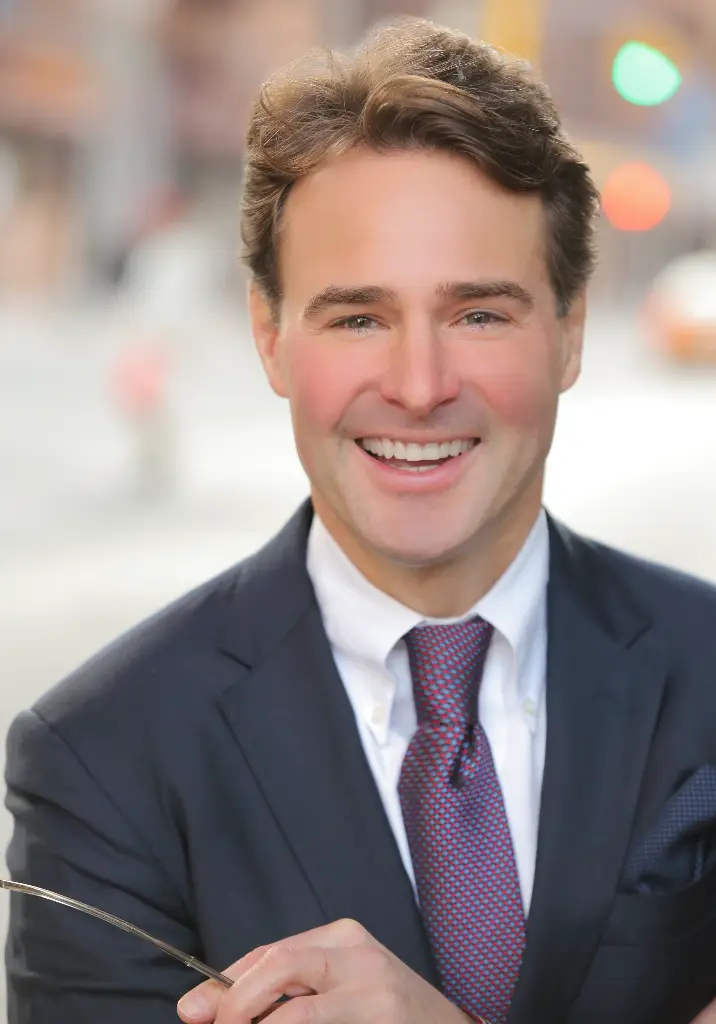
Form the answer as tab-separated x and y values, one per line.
414	85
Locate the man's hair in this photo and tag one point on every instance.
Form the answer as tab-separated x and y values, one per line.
413	85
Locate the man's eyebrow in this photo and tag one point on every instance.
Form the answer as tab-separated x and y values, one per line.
457	291
336	296
478	290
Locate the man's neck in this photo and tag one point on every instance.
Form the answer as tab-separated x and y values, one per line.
448	588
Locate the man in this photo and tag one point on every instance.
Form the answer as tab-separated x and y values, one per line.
428	755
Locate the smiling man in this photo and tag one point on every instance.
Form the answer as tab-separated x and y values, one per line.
428	756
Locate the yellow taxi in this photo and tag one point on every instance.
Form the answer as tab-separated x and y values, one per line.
680	311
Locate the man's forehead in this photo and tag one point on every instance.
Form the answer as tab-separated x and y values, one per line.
396	219
380	173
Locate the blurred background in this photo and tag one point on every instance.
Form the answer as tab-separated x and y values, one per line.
140	449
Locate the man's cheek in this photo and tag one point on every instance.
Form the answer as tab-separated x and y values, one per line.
317	410
324	391
517	401
313	408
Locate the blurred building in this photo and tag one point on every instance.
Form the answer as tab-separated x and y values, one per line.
50	96
104	104
676	138
107	104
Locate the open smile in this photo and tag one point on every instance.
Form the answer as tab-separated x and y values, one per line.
410	467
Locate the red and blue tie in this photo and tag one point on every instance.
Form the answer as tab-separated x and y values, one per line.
457	829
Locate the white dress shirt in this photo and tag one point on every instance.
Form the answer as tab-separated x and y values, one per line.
365	628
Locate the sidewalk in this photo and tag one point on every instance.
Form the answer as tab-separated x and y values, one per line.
66	456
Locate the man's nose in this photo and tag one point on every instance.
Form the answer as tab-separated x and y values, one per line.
420	375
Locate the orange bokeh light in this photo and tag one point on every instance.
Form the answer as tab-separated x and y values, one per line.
635	197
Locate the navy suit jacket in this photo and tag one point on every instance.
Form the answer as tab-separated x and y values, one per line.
204	778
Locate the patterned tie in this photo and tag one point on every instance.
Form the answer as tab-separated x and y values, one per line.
456	824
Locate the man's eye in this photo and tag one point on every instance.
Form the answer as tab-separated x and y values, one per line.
358	322
480	318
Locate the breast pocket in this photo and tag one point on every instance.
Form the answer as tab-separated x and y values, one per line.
662	918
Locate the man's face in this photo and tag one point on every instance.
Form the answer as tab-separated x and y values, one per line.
419	346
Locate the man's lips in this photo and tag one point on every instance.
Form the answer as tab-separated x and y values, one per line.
417	475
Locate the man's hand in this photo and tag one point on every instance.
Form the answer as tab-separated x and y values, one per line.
707	1016
338	972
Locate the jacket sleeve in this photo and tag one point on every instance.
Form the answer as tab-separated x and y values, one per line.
70	836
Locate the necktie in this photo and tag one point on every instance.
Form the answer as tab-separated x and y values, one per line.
457	829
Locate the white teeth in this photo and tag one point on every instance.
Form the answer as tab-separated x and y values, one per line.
431	452
385	448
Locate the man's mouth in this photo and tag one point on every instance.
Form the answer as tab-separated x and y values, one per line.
415	458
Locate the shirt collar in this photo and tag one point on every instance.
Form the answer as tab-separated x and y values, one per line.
366	623
359	619
516	604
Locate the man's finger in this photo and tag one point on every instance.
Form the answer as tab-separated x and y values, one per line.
345	932
293	971
201	1004
707	1016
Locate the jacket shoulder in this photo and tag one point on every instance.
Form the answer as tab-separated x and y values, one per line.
155	661
173	663
658	582
680	604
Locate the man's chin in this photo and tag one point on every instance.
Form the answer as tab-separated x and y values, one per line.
422	553
407	538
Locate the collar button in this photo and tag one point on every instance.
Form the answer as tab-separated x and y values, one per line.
378	715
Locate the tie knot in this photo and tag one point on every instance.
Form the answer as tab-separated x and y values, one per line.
446	664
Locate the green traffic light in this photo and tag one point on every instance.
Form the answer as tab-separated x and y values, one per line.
643	75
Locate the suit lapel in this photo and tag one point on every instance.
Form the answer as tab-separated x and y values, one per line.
291	717
295	725
604	687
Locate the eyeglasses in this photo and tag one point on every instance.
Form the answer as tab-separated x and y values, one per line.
185	958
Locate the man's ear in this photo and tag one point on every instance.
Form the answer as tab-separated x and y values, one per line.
265	329
572	341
